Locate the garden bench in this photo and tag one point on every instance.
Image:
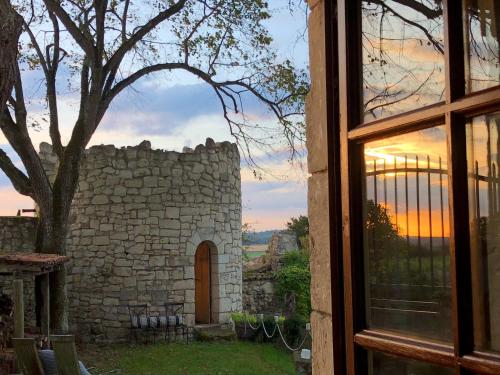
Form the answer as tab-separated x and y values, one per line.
141	320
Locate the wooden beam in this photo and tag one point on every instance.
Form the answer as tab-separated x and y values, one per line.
46	305
18	292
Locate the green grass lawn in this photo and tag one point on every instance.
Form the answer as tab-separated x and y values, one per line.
233	358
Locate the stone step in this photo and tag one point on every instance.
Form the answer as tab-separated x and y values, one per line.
214	332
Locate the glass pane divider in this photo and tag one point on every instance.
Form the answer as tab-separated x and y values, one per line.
486	365
471	105
459	235
407	347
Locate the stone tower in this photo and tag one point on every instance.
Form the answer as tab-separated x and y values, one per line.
137	220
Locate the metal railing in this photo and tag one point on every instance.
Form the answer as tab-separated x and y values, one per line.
409	271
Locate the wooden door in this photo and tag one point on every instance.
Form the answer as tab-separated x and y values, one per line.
202	284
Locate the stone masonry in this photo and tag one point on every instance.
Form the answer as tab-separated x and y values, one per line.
17	234
319	223
259	294
136	222
281	242
259	290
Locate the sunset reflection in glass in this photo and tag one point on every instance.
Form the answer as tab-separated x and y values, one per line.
406	234
483	143
403	56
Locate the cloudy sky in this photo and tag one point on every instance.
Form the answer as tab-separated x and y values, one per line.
173	111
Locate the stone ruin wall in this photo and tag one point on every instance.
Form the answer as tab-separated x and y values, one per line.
137	219
281	243
259	295
259	291
17	234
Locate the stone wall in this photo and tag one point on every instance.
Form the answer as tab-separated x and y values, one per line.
319	236
136	222
258	276
17	234
259	294
281	242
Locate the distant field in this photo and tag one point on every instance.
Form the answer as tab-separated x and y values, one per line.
255	254
252	248
254	251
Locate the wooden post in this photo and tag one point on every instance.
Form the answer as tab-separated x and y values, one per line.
18	308
46	305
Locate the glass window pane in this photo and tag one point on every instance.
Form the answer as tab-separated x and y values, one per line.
383	364
482	30
406	234
483	144
403	58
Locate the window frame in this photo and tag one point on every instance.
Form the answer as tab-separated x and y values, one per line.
346	135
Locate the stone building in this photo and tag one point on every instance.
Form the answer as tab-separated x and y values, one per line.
145	224
17	234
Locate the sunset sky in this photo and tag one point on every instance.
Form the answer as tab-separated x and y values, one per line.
173	111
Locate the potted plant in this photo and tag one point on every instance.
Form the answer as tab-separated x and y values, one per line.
243	323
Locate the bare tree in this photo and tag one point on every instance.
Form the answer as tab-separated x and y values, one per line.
111	45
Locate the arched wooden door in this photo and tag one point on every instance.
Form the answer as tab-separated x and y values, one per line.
202	284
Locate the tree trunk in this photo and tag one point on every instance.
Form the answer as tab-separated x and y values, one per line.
52	232
46	243
10	30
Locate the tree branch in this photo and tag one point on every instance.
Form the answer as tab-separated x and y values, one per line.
83	41
55	135
18	179
421	8
100	10
117	57
38	50
220	87
431	39
124	21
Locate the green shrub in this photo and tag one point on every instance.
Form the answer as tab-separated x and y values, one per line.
298	258
294	330
270	325
243	317
293	283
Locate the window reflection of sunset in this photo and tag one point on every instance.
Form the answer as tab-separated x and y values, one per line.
396	153
400	222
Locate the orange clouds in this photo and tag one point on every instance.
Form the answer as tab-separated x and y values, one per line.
11	201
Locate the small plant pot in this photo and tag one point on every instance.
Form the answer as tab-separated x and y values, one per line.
246	335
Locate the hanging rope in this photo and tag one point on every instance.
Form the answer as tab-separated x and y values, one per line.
301	344
264	326
250	324
277	328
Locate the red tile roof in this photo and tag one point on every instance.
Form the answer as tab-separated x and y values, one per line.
31	261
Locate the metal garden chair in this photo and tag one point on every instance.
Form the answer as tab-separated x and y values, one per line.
175	320
139	320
